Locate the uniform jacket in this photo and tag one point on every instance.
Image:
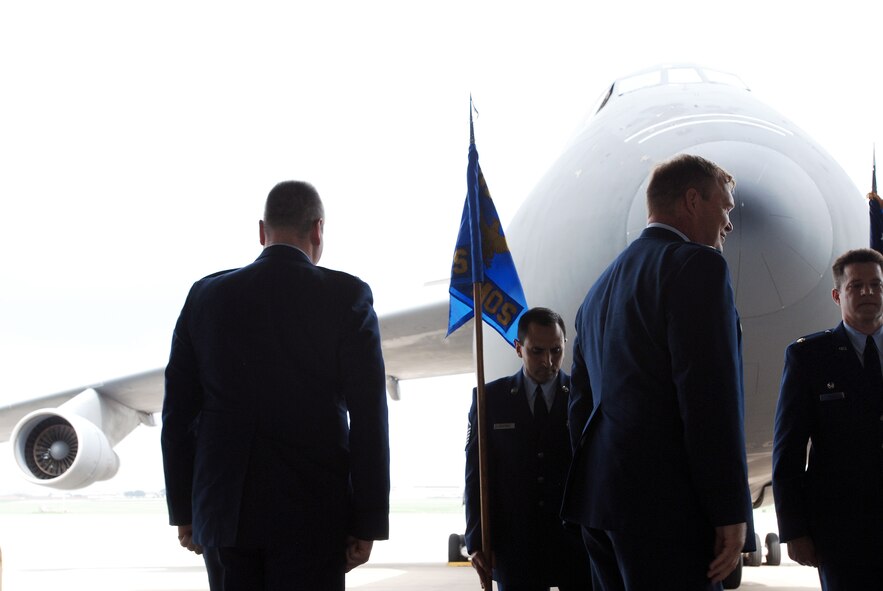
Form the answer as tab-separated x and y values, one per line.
837	498
657	402
526	480
272	358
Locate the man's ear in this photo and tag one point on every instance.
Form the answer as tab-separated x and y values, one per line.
316	232
262	232
691	200
835	295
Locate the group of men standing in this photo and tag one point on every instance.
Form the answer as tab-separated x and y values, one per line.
655	479
628	475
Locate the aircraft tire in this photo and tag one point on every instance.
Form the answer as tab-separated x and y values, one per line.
773	550
734	579
755	558
454	554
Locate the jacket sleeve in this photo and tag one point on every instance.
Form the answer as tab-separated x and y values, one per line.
363	383
704	342
472	498
580	404
181	406
793	425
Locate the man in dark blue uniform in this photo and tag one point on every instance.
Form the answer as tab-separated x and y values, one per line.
529	454
280	362
659	478
830	510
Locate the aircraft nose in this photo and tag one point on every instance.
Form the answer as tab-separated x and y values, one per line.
781	240
783	232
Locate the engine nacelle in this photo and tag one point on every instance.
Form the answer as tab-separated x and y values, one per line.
71	446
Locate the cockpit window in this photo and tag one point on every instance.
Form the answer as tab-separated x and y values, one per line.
637	81
725	78
674	74
602	100
683	76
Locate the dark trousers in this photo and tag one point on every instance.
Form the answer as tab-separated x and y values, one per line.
213	568
843	577
647	561
280	568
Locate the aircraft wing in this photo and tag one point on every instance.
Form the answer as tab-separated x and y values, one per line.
414	346
141	392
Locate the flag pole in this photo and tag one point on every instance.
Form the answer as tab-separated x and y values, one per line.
875	209
483	480
483	469
497	298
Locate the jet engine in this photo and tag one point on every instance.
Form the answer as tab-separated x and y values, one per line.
71	446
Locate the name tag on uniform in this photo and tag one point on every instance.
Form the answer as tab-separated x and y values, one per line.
832	396
498	426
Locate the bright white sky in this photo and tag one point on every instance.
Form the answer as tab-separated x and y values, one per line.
138	141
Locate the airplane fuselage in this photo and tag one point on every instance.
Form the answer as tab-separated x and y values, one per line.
796	211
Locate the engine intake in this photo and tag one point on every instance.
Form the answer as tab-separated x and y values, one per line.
71	446
51	448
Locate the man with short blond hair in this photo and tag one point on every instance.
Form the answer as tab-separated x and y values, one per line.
659	473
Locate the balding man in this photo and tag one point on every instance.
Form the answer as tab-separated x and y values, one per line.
280	364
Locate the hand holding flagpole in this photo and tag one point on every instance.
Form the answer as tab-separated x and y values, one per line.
484	285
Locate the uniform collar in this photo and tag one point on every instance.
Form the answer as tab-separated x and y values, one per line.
858	339
669	228
285	250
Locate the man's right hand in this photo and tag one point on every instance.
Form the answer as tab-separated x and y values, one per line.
803	550
185	538
728	543
483	567
357	552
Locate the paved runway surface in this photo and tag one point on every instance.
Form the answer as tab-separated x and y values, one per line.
789	577
379	577
127	546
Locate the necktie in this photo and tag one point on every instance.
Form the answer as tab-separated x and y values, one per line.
540	410
872	365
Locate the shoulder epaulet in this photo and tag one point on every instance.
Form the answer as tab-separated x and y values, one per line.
816	336
501	384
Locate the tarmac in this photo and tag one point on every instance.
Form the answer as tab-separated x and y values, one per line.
371	577
127	546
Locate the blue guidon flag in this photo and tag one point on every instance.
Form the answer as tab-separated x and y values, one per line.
482	256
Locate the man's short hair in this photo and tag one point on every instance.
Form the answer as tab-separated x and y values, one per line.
673	178
293	205
859	255
541	316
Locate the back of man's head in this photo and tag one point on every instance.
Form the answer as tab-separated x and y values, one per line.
293	207
673	178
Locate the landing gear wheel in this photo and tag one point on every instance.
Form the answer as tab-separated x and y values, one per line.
755	558
773	550
734	579
455	542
